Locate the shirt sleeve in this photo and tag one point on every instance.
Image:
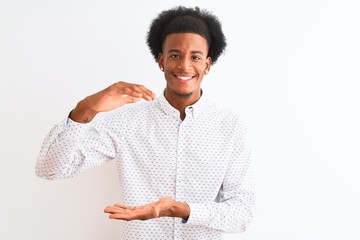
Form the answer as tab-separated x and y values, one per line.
234	207
71	148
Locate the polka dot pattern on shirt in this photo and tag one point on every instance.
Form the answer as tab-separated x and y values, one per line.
204	160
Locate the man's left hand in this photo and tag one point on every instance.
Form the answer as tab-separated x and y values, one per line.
165	207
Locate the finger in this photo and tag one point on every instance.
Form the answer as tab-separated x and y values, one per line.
134	90
137	214
122	216
131	92
111	209
131	96
121	205
130	99
126	213
146	93
119	209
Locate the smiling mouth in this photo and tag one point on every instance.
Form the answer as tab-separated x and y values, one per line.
184	78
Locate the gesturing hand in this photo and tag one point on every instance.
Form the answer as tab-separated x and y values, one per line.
110	98
165	207
116	95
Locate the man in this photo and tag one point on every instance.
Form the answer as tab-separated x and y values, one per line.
183	161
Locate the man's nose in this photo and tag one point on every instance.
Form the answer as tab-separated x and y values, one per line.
184	64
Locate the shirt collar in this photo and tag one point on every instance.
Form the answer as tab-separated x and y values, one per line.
191	110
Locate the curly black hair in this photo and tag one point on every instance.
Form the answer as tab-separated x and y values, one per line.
181	19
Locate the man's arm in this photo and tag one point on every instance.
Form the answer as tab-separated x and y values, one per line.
66	152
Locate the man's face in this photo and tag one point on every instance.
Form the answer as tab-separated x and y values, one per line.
184	60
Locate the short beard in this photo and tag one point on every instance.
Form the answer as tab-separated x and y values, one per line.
186	95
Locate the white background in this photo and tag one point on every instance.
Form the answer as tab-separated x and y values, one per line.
291	70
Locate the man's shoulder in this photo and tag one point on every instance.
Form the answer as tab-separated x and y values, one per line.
222	110
226	114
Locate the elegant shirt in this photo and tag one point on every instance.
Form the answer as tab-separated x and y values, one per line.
203	160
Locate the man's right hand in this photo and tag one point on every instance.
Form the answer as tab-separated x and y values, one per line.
110	98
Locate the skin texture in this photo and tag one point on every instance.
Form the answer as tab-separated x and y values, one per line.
184	62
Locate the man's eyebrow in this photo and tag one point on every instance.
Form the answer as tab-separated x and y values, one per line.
192	52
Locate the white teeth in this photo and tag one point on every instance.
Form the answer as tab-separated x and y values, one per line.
184	78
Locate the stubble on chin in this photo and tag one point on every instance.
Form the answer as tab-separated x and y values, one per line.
183	95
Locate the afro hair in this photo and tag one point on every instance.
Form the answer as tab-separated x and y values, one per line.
186	20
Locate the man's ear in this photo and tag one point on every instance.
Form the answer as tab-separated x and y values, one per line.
208	65
161	61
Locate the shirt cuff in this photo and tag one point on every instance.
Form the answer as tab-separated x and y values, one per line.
71	124
74	129
199	214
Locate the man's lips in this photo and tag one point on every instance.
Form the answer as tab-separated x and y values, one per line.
184	78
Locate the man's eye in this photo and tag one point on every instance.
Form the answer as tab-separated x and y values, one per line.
196	58
174	56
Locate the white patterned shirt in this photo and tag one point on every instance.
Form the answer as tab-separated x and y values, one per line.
203	160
